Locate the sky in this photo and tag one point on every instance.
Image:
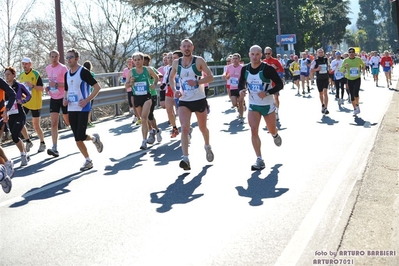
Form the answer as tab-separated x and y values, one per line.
354	6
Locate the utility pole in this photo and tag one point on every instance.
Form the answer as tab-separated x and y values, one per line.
58	22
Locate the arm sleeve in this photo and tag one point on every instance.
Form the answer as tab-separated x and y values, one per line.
26	92
39	81
242	82
87	77
9	91
271	73
65	82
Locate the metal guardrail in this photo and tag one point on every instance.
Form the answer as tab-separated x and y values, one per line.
118	95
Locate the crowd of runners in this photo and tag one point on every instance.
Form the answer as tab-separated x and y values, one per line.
184	83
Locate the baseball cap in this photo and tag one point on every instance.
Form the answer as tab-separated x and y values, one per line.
26	60
337	53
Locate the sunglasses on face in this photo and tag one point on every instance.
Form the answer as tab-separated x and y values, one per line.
69	57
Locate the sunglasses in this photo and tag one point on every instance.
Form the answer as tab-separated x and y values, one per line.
69	57
351	52
268	53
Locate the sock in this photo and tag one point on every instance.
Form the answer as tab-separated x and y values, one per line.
185	158
259	157
54	147
88	159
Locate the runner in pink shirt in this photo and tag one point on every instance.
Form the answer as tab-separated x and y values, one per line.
233	73
56	73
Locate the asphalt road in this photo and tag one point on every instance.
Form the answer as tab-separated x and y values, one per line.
139	208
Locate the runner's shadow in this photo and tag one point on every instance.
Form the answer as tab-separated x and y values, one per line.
165	154
229	111
178	192
235	127
125	128
127	163
392	89
358	121
327	120
50	190
262	188
343	109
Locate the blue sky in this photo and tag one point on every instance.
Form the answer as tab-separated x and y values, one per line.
354	5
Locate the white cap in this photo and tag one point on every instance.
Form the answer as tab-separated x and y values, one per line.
26	60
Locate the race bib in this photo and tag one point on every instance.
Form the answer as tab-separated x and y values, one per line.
354	72
140	88
14	108
323	69
255	87
189	90
338	75
387	64
72	97
304	69
296	72
234	81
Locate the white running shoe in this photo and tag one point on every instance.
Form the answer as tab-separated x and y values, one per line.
42	147
209	153
158	135
9	168
5	180
99	145
259	165
28	145
277	140
143	145
151	137
87	166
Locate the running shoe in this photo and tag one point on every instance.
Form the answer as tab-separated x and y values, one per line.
259	165
97	142
326	112
42	147
25	159
138	122
175	132
53	152
143	145
90	124
134	120
185	165
151	137
9	168
209	153
5	180
303	92
356	111
277	140
87	165
28	145
158	135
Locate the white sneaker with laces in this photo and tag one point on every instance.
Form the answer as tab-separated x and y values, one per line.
5	180
42	147
151	137
97	142
9	168
158	135
209	153
87	165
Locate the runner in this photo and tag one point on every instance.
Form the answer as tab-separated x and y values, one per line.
17	116
256	78
296	73
192	97
32	80
56	73
353	67
77	97
304	63
339	77
140	81
387	66
232	74
154	131
375	66
275	63
320	66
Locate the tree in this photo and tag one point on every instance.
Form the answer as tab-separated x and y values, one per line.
13	16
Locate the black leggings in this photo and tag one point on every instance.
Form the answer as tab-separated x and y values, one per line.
16	122
340	84
354	88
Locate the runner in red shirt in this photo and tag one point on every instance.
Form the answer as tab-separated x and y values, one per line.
274	62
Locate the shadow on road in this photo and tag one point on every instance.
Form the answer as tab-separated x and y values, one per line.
165	154
125	128
25	171
50	190
178	192
234	127
262	188
328	121
358	121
